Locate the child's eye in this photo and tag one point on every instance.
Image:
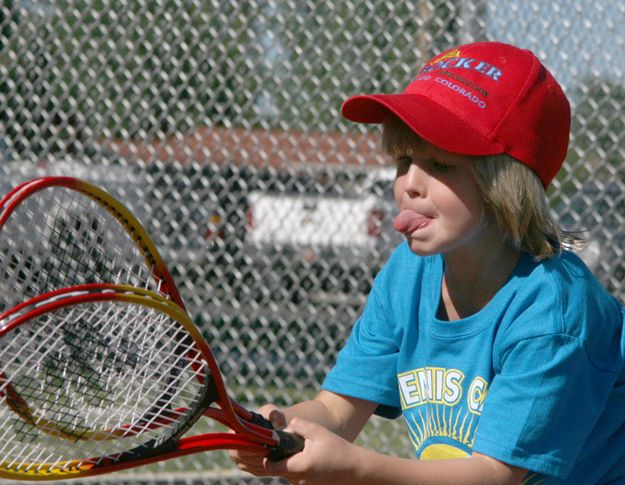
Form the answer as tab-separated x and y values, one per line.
440	166
403	163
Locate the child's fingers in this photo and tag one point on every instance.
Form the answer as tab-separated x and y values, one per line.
258	471
274	414
277	418
252	462
240	454
246	459
249	462
302	427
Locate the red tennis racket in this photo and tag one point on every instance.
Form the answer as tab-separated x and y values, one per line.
98	376
57	232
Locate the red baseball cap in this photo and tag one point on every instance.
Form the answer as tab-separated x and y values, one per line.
484	98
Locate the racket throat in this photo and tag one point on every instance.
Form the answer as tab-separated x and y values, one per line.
158	446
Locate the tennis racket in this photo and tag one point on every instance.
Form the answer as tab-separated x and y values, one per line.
86	316
57	232
102	377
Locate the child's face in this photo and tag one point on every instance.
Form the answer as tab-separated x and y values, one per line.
441	206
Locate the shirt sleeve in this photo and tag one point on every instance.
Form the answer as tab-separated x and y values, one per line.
366	366
543	404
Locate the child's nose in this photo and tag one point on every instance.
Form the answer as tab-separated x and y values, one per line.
415	181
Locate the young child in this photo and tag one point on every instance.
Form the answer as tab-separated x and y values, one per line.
502	351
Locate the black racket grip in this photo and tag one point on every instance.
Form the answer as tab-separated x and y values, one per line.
288	445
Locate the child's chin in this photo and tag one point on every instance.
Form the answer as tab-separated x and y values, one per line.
420	249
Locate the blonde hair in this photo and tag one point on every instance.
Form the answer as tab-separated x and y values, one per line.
512	192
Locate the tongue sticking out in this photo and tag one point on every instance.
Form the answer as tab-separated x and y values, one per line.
408	221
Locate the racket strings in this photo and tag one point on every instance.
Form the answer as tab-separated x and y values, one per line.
79	344
59	237
133	357
74	365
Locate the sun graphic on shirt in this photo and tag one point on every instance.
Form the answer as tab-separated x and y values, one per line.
454	424
441	451
457	427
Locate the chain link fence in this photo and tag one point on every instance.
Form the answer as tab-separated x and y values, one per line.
219	123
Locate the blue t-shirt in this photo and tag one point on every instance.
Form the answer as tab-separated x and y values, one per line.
534	379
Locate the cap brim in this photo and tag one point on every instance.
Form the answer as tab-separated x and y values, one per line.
428	119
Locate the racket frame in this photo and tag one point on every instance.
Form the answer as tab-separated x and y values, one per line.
236	414
250	436
231	414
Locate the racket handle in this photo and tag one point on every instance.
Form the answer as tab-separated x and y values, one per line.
288	445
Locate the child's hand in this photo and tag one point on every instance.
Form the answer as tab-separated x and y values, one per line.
252	462
326	458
